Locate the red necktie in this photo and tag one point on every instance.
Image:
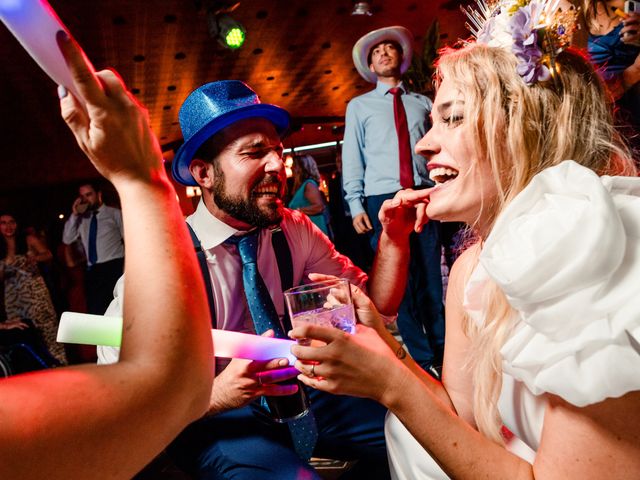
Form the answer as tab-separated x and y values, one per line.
404	145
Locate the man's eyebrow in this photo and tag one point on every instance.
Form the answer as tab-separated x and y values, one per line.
250	144
257	144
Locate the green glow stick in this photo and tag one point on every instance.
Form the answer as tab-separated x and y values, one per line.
89	329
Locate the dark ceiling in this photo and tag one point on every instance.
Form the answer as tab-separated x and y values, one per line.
297	55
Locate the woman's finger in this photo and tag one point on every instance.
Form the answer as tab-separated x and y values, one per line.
316	332
82	72
113	86
306	368
319	383
387	209
74	116
411	197
359	298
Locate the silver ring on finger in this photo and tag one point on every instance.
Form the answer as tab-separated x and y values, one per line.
313	370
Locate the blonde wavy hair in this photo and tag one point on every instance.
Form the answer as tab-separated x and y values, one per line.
521	130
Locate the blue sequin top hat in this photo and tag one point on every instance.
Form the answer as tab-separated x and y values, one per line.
212	107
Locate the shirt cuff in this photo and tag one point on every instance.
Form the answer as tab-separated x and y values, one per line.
356	208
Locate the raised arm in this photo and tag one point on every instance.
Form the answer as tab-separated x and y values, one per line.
399	217
73	422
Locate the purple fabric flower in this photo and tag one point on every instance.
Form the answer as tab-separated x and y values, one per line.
525	45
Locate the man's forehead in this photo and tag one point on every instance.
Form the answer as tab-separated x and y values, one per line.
385	42
250	131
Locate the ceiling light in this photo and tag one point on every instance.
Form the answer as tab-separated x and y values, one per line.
229	33
361	8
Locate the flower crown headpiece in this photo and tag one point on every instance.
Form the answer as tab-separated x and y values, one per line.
534	30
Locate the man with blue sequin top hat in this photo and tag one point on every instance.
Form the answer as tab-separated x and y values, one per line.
233	152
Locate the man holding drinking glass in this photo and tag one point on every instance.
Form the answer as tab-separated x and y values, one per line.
233	152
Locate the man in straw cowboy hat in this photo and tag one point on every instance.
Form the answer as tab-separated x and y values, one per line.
382	127
233	151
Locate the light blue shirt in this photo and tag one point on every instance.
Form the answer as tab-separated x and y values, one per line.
370	163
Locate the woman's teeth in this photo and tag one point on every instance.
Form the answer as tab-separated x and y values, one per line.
442	174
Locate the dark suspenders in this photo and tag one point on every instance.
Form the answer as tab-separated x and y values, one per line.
202	260
285	268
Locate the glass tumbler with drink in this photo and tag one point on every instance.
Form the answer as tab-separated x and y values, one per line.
322	303
325	303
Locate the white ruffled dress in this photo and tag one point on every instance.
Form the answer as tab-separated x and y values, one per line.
566	252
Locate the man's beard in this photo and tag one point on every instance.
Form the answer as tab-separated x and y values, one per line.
246	210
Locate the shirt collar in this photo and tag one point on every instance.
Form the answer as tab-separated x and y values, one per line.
383	88
210	230
97	211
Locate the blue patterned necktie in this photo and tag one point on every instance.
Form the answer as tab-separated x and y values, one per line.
304	432
93	236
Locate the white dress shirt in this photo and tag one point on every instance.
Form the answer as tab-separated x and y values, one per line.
110	234
311	252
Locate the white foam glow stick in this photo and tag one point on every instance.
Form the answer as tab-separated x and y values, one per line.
100	330
35	24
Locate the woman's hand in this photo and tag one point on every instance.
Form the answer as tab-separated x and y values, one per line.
114	129
366	312
404	213
630	33
361	364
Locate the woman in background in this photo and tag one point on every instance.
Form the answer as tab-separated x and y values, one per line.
307	197
614	47
26	295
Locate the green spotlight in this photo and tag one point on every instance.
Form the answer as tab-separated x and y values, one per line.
229	33
234	38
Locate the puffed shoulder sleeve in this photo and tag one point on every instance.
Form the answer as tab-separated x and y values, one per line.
566	252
